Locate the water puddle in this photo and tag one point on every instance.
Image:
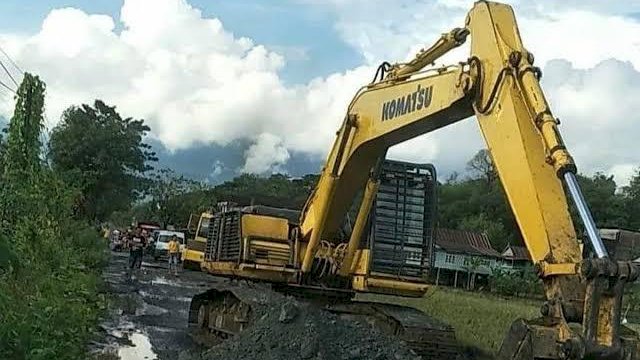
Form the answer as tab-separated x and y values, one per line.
141	348
176	282
164	281
148	295
148	309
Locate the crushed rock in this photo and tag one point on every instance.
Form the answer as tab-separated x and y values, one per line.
293	330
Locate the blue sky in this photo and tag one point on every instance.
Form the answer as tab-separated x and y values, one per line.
307	34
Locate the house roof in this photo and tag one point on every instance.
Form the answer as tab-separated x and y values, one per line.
514	252
465	242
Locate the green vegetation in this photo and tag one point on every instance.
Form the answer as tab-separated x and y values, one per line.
102	155
479	203
50	257
480	320
173	198
476	202
523	283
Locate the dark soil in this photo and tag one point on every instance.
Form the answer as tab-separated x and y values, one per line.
288	329
156	304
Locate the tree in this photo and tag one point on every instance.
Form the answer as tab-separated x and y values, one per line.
481	165
605	202
48	261
452	178
498	236
103	155
478	203
21	163
170	203
632	201
3	149
277	190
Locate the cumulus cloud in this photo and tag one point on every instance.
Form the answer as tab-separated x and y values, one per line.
583	32
599	114
266	155
192	80
197	83
217	168
593	88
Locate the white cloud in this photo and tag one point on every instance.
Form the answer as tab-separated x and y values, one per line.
594	90
196	82
599	114
267	154
583	32
188	77
217	168
292	53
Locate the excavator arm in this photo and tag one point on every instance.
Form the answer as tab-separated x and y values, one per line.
500	86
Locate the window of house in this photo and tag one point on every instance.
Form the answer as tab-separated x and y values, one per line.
450	258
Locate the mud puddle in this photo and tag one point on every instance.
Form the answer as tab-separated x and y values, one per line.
148	315
141	348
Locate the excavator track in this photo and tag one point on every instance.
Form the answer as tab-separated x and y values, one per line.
227	310
428	337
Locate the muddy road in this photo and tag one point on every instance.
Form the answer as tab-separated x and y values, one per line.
148	314
148	320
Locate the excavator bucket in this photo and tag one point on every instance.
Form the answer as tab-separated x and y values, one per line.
537	339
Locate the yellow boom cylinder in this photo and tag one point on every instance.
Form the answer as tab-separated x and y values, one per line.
370	191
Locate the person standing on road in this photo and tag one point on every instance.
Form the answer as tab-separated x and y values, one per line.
174	250
136	248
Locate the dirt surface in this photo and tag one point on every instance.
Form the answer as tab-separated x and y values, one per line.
148	320
289	329
148	315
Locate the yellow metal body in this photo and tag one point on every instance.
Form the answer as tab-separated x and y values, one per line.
359	227
192	255
196	255
265	227
500	86
265	240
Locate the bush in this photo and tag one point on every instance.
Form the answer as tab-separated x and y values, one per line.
50	305
523	282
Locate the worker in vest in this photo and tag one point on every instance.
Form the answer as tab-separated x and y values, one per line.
174	253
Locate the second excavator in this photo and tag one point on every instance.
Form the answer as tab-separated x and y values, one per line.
312	257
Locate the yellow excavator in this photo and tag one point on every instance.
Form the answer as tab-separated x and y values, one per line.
193	253
312	257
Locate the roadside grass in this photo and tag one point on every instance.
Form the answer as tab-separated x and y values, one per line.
50	311
480	320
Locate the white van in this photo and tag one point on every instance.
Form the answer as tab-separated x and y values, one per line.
161	242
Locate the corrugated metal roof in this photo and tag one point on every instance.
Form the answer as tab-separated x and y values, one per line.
516	253
465	242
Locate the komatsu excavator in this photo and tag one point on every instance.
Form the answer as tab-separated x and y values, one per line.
312	257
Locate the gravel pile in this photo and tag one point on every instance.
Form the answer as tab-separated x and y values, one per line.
290	330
